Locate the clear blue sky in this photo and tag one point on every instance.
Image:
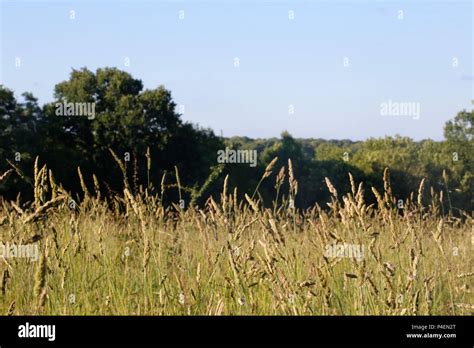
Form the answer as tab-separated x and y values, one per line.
283	62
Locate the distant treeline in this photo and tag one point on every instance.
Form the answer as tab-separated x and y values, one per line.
110	110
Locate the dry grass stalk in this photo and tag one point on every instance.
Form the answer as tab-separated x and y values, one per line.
267	265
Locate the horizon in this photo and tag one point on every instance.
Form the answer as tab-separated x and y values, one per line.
322	71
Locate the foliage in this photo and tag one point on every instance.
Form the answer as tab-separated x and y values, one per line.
134	122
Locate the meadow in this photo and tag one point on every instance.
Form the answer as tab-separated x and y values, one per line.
130	254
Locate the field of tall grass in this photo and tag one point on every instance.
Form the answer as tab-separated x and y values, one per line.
129	254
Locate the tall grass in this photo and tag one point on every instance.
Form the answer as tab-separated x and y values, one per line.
129	254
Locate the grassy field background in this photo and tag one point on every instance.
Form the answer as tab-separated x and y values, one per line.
129	254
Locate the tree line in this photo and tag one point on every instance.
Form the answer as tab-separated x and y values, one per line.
144	129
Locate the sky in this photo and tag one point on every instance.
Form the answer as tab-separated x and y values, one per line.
318	69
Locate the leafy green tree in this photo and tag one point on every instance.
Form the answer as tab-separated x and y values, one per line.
19	137
460	144
460	128
128	120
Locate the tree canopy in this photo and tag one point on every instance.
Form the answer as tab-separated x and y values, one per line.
140	125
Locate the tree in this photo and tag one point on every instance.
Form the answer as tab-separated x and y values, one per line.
460	144
19	139
460	128
128	119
